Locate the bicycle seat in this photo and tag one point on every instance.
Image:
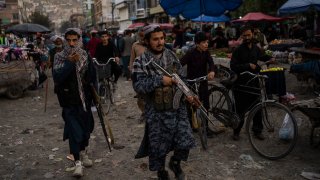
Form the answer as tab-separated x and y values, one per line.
228	83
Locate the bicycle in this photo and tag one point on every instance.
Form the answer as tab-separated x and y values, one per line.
106	86
278	141
232	120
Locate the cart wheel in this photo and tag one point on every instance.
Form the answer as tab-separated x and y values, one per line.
14	92
314	137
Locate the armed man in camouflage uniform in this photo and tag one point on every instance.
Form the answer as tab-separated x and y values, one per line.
166	128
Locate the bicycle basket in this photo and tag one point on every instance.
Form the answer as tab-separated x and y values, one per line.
104	71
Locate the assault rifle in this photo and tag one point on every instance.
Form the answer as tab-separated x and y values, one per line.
182	87
102	118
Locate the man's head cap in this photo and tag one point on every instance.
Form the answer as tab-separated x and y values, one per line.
150	28
55	37
77	30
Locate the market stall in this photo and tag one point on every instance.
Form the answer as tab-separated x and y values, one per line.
284	44
221	57
311	52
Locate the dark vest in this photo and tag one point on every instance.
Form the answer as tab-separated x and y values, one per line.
68	92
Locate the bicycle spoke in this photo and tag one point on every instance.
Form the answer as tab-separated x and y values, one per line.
277	125
220	104
267	118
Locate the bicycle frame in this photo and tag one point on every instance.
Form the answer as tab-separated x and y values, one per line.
251	90
196	83
107	80
105	86
271	113
262	99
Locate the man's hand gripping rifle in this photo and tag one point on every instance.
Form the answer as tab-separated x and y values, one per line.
191	97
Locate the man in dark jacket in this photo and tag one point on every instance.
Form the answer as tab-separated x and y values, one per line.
197	60
245	58
105	50
70	75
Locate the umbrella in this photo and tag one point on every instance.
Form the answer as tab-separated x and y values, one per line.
222	18
28	28
136	25
93	31
258	16
190	9
295	6
166	25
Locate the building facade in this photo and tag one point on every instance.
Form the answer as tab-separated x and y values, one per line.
9	13
58	11
87	8
120	14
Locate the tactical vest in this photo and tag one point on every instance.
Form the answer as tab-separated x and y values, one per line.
163	96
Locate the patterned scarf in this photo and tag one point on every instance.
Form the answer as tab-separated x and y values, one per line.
81	65
168	60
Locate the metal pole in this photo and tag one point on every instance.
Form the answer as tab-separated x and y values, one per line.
112	12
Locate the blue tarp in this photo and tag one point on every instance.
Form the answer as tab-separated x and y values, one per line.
311	67
222	18
296	6
191	9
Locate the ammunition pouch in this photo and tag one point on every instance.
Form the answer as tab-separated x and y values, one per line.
163	98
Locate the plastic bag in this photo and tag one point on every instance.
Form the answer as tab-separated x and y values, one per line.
286	130
194	119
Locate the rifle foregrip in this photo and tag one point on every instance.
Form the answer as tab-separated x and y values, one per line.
181	85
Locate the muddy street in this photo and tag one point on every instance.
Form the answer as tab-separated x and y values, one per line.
31	145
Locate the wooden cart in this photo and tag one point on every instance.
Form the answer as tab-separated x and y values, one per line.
310	108
16	76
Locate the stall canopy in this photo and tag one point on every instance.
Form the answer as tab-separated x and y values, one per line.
258	16
296	6
140	25
166	25
191	9
136	25
203	18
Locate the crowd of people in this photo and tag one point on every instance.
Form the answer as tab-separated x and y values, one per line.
166	128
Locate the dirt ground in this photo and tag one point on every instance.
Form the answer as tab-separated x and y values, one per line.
31	145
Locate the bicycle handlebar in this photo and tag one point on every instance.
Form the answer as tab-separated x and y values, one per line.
199	79
103	64
255	75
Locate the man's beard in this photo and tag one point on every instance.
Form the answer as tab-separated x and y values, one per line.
247	41
156	52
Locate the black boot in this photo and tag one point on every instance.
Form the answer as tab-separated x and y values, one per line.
174	165
163	175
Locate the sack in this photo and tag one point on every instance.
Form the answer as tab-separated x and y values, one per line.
194	119
286	130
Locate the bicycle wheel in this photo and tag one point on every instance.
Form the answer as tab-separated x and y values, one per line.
221	108
202	130
222	74
219	98
105	97
279	129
